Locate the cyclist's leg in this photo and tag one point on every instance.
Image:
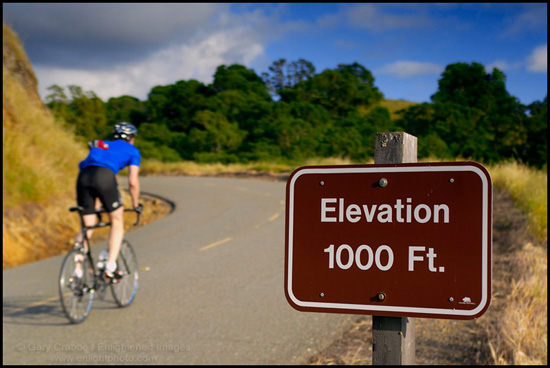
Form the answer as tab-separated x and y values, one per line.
87	197
116	233
106	188
89	220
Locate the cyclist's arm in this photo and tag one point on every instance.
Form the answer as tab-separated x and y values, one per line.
133	182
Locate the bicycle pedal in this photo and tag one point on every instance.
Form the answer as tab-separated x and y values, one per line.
114	279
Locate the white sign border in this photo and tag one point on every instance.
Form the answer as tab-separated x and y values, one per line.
400	169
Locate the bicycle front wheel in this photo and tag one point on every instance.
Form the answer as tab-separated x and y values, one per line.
125	289
76	290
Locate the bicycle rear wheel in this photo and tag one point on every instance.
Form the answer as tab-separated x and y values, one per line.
76	293
125	289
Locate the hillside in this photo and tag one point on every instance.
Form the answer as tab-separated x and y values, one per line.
39	164
15	60
39	154
393	107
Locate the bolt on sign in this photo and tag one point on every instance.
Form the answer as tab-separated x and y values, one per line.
391	240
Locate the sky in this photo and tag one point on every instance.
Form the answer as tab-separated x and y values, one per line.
116	49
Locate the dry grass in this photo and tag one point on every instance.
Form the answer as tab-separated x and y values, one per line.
35	232
526	315
15	59
38	158
529	189
520	336
393	107
155	168
331	161
38	154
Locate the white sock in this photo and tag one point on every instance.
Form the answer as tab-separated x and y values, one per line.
78	272
110	266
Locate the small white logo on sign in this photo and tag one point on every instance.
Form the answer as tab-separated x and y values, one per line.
466	300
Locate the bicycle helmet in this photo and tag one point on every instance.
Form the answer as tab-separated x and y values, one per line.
124	130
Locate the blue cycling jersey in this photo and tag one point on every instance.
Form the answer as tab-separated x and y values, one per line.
114	155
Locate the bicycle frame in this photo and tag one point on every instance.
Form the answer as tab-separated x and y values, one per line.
84	229
73	293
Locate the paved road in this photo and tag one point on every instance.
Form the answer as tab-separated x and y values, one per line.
213	292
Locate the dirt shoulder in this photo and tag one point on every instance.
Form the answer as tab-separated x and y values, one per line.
25	242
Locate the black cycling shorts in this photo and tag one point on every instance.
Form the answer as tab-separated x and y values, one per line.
97	182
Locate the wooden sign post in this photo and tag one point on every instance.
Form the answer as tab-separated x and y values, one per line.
388	240
393	338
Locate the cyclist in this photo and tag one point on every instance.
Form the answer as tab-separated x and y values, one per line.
97	183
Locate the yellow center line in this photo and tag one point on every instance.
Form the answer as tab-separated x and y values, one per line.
35	304
216	243
274	217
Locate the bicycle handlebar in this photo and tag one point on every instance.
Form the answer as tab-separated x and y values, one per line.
138	210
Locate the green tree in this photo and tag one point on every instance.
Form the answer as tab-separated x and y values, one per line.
88	114
295	128
125	108
238	77
242	97
464	84
286	75
158	142
175	105
340	91
244	108
535	151
364	91
57	101
84	112
275	81
344	139
484	120
214	133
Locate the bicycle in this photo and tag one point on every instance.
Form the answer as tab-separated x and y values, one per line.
77	293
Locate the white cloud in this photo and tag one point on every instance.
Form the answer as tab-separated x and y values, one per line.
503	65
407	69
230	41
499	64
181	62
88	80
538	60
